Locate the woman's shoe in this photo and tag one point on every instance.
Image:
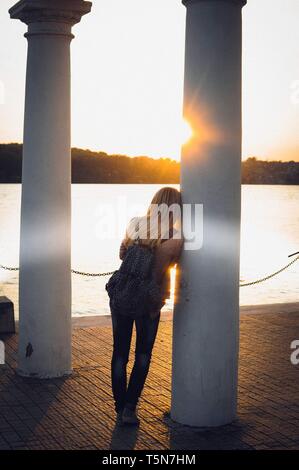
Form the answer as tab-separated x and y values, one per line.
130	417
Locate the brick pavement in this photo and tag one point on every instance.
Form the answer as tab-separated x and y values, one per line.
77	412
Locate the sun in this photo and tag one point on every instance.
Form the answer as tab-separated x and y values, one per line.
186	132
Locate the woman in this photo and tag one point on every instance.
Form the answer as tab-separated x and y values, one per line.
158	230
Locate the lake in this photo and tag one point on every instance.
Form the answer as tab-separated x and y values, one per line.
270	232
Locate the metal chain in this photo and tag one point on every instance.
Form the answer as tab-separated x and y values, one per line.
270	275
81	273
6	268
258	281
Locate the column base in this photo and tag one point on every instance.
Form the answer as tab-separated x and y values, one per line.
202	424
31	375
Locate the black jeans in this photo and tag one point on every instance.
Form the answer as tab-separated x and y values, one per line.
146	331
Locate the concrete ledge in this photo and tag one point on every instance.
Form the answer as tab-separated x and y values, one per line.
105	320
292	307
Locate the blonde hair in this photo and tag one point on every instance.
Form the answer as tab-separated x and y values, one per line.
161	220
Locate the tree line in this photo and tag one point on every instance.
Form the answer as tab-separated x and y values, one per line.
99	167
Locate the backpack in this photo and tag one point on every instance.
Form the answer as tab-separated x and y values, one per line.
132	289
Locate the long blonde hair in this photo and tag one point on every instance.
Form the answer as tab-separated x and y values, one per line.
161	221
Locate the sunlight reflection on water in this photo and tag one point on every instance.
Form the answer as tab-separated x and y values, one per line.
270	232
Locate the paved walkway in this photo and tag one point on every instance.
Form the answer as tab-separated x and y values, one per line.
77	412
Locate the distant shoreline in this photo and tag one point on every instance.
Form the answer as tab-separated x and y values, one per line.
100	168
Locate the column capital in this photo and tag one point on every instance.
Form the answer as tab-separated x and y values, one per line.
240	3
47	11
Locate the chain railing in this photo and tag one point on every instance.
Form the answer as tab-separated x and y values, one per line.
8	268
74	271
263	279
109	273
82	273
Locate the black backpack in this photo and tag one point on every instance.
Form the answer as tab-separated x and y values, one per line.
132	289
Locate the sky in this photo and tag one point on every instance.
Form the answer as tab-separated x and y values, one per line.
127	78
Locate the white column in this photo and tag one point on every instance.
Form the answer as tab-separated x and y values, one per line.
206	317
45	246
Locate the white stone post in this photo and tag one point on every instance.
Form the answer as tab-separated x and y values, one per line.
206	317
45	245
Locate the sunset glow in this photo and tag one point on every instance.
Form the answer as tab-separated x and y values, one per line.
186	132
128	72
